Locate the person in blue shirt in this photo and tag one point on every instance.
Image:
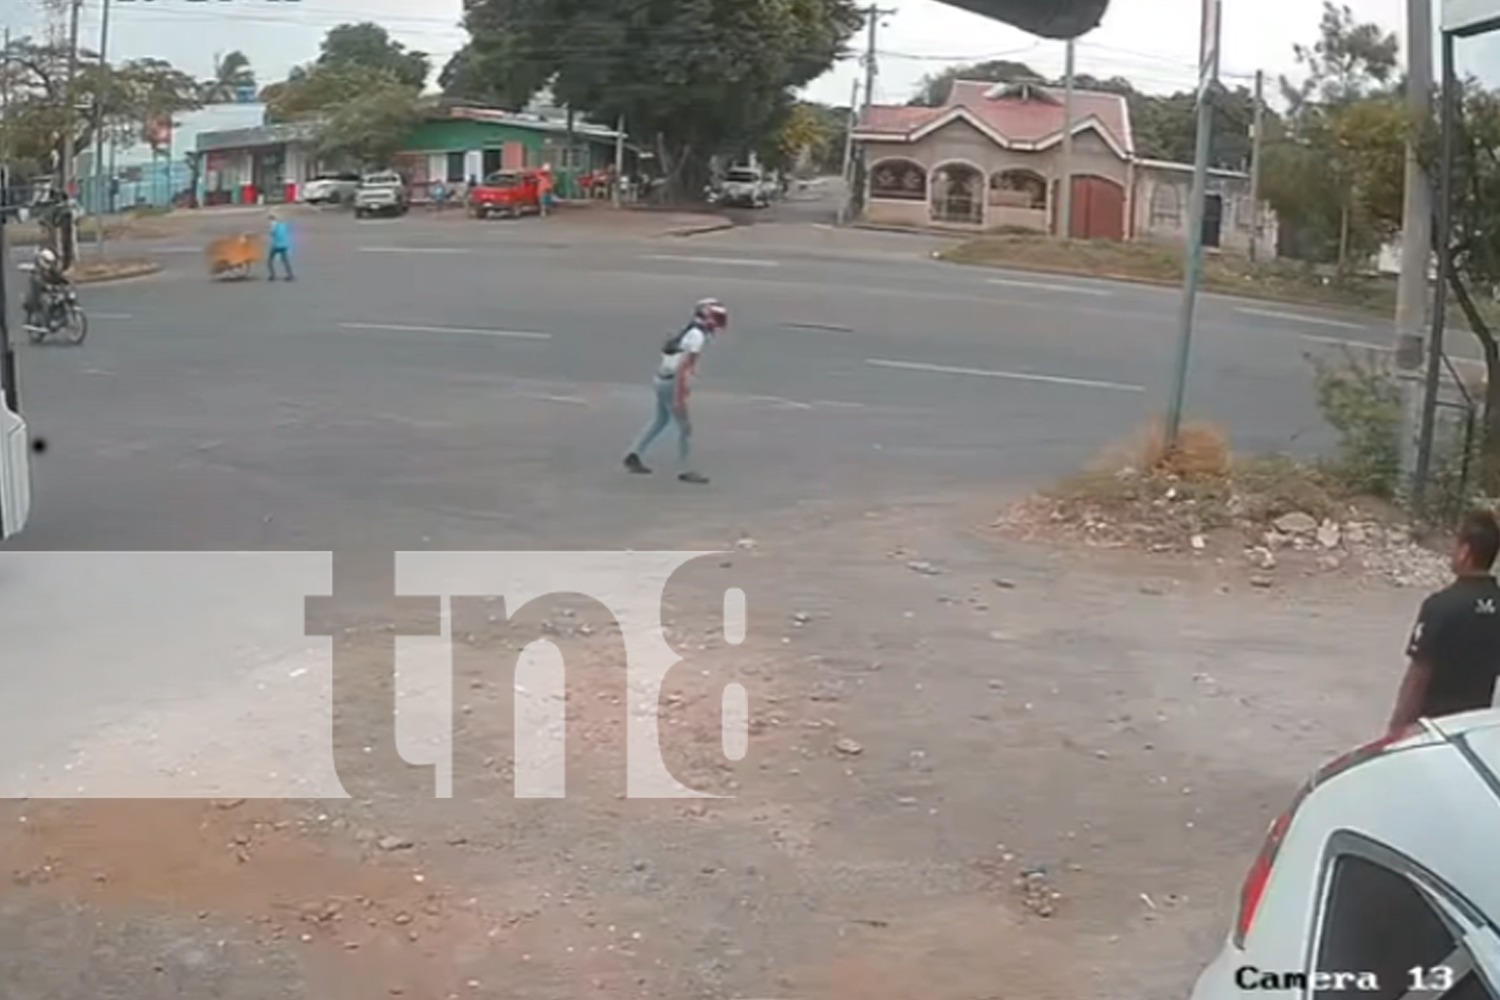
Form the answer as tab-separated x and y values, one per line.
281	248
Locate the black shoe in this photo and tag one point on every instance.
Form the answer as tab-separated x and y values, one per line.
634	464
695	478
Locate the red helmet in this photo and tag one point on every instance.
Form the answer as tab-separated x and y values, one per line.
712	314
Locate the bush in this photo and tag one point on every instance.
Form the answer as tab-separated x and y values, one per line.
1361	399
1360	396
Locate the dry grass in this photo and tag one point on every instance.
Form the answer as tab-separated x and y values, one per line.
1156	264
1142	492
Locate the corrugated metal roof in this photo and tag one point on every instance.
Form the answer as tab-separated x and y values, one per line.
259	135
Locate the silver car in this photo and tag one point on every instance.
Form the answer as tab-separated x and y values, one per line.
382	193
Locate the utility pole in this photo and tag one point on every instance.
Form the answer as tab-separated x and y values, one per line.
1416	242
1065	186
873	14
619	158
106	84
5	123
1256	138
70	126
848	172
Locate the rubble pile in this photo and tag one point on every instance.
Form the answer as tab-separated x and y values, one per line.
1214	516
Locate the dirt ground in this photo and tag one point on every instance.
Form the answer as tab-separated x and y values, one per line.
936	713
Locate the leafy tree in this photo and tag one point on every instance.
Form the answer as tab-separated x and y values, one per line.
369	46
1334	175
232	74
314	91
700	76
120	99
805	135
935	88
367	132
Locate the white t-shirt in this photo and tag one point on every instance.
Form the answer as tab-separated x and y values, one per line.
692	343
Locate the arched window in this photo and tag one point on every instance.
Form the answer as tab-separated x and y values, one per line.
958	194
898	180
1166	205
1018	189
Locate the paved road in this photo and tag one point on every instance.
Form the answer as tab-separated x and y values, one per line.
451	385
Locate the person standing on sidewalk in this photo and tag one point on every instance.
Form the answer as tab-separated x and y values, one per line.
1454	647
675	374
281	248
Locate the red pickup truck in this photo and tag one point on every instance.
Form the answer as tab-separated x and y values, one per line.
507	193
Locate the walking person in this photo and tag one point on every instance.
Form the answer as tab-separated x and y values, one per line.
675	374
1454	647
281	248
545	186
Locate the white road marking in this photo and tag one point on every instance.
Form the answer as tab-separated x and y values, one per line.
438	250
469	331
823	327
1043	286
791	404
725	261
1299	318
1342	342
1083	383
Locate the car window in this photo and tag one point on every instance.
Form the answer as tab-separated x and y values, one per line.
502	180
743	176
1376	920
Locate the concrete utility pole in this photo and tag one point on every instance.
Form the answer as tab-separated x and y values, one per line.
5	121
846	202
1256	138
107	81
871	69
1065	186
619	157
1416	240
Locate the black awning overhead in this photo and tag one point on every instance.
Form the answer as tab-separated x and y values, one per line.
1047	18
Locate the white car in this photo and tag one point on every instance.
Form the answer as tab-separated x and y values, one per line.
1381	880
330	189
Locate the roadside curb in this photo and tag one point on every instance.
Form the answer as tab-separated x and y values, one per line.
135	269
714	227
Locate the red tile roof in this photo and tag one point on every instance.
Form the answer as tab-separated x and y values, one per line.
1021	117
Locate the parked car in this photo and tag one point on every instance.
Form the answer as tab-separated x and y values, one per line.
745	187
508	193
382	193
330	189
1380	879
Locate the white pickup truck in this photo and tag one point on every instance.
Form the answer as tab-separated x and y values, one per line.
745	187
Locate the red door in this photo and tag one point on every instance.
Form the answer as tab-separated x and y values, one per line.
1098	209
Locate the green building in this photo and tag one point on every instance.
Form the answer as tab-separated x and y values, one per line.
457	143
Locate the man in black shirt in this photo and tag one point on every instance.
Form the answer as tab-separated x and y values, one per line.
1455	645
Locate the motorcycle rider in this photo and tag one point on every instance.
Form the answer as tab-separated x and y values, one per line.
46	277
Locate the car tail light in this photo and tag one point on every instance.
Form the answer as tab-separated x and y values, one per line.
1260	872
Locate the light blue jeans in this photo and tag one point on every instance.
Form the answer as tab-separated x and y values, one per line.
666	413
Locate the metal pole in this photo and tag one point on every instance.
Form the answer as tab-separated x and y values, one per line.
1065	186
5	114
1193	254
1451	111
1416	240
9	387
848	173
1255	152
619	159
70	113
106	83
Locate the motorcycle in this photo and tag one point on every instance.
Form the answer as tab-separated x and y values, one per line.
60	314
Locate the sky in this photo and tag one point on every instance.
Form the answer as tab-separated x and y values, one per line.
1152	42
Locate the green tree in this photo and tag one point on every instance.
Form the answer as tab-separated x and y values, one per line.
369	46
935	88
1333	174
232	73
121	99
367	132
700	76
